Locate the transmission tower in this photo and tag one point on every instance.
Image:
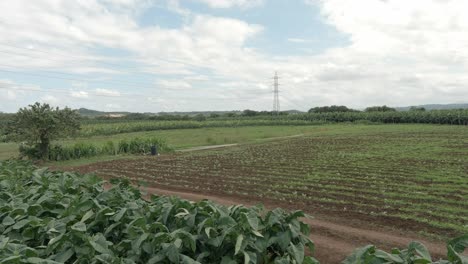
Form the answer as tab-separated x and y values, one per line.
276	103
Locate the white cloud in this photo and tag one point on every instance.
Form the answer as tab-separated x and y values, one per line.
107	92
299	40
12	90
232	3
173	84
50	99
79	94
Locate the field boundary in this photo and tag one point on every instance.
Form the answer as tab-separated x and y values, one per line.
208	147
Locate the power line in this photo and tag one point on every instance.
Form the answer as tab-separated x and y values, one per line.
15	71
98	61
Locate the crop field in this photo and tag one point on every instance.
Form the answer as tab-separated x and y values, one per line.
181	138
410	177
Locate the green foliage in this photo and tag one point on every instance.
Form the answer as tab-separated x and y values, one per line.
141	145
112	128
62	217
415	108
383	108
452	117
331	109
38	125
199	117
416	253
4	120
87	150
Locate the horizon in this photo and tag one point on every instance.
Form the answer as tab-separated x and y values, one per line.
206	55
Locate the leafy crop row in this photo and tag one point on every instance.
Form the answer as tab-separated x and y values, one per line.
452	117
415	253
106	128
57	217
86	150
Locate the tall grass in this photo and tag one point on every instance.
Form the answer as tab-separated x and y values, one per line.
87	150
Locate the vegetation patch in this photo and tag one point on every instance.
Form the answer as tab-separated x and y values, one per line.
62	217
141	146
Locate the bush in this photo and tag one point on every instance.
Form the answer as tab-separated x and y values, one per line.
142	145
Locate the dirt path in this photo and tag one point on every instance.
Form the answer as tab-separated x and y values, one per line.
232	145
207	147
333	241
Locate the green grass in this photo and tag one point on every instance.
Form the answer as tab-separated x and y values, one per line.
177	138
8	150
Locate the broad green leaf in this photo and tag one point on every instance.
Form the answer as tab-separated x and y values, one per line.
120	214
297	251
64	255
239	240
11	259
460	243
360	255
86	216
136	244
8	221
227	260
55	240
79	226
20	224
421	250
246	258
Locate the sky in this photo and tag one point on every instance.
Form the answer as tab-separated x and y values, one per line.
195	55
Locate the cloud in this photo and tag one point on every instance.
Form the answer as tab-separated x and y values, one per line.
300	40
174	84
50	99
79	94
398	52
12	90
107	92
232	3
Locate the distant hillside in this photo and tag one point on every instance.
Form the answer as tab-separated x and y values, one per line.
435	107
93	113
194	113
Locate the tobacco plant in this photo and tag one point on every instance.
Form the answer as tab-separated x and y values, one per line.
63	217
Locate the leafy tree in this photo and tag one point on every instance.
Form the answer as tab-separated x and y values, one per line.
383	108
417	109
39	124
199	117
331	109
249	112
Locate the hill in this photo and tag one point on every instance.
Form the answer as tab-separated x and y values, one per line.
94	113
435	107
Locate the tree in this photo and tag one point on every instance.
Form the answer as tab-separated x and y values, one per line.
417	109
383	108
249	112
39	124
331	109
